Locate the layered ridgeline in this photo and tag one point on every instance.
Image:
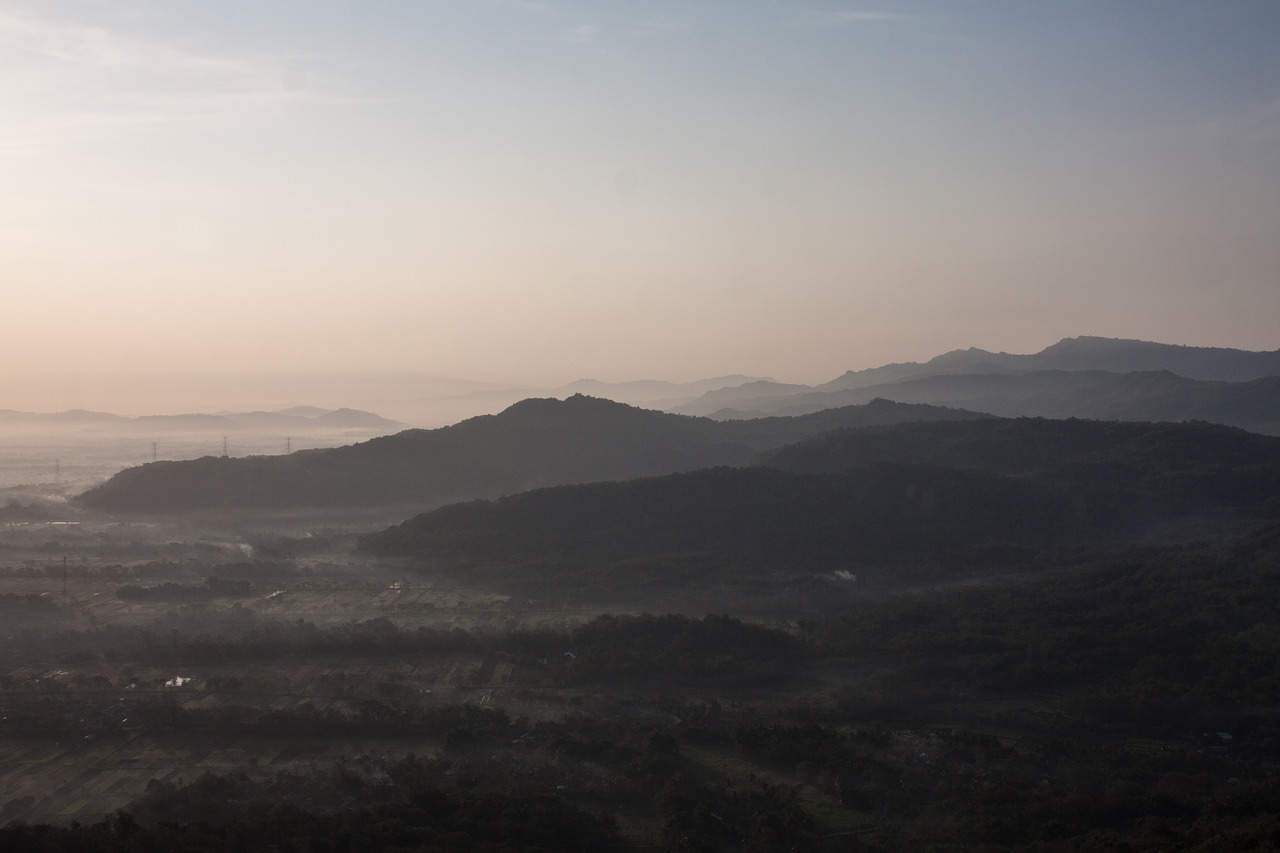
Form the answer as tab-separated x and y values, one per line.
1077	377
535	443
1113	355
1183	462
1156	396
298	420
873	501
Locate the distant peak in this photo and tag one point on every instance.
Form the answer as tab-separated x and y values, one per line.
578	400
1080	340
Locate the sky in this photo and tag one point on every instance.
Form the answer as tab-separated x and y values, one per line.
520	191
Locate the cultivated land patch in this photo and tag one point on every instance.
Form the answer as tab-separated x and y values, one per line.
109	743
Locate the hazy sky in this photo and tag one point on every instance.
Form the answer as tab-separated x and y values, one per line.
538	191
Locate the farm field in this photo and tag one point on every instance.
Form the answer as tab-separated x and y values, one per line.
107	746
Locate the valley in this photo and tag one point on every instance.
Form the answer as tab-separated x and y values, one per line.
578	624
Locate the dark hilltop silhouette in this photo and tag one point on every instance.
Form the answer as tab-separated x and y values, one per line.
538	442
1084	377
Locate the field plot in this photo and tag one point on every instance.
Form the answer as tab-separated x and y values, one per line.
88	727
58	782
120	743
128	731
91	592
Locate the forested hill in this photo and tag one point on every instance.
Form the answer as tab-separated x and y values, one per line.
747	521
1175	459
942	495
538	442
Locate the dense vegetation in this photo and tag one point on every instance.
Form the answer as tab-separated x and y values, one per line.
893	505
1234	466
220	813
725	524
1138	689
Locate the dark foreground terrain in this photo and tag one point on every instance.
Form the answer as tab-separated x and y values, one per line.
977	635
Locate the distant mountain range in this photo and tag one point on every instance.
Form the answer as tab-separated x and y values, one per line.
1114	355
1077	377
298	419
648	393
535	443
547	442
1154	396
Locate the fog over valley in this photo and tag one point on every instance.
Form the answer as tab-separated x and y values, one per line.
542	425
473	607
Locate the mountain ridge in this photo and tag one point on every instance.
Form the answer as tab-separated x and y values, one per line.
1084	352
301	418
1137	396
534	443
910	497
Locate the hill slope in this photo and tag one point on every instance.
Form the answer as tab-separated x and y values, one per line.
1175	464
540	442
923	497
731	524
